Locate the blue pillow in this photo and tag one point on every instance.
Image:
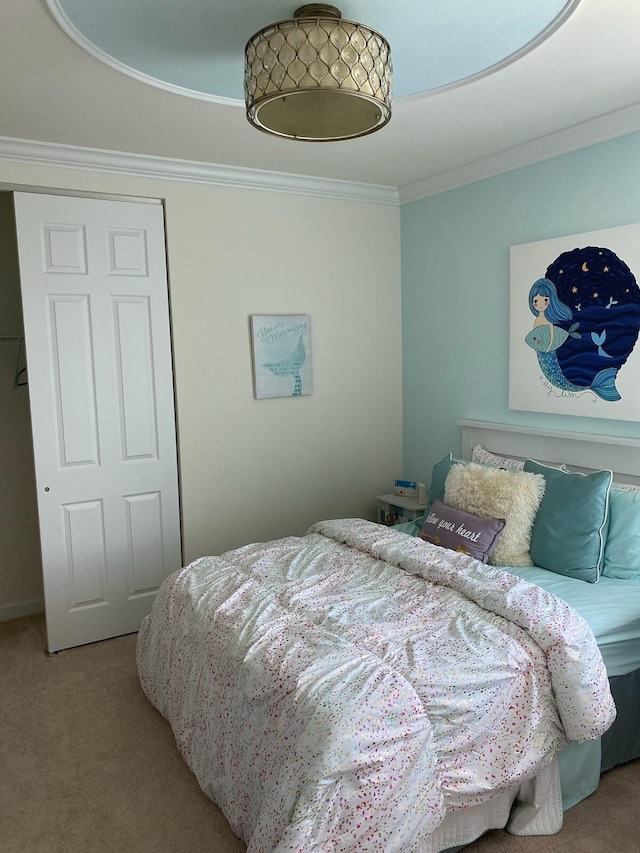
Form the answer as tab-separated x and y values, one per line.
622	549
439	474
569	531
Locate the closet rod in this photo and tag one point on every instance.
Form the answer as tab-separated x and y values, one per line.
11	339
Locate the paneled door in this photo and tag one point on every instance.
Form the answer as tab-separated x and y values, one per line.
96	316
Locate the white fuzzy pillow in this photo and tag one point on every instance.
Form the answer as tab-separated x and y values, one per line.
496	493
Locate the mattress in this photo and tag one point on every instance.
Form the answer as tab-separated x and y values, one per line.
611	607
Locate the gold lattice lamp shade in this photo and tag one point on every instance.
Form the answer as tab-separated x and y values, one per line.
318	77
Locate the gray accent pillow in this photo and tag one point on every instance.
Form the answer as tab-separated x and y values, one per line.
460	531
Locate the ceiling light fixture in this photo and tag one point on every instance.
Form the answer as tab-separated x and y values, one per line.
317	77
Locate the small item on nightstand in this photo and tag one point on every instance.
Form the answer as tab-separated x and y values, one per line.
406	488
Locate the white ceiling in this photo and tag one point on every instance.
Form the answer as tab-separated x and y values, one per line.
533	87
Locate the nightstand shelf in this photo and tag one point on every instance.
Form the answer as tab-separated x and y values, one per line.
395	509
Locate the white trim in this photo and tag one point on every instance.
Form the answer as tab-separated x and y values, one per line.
600	129
164	168
21	608
579	450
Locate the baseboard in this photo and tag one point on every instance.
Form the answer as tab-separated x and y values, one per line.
21	608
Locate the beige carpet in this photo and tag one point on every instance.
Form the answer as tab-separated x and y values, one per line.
88	766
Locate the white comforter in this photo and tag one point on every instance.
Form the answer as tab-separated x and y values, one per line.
343	690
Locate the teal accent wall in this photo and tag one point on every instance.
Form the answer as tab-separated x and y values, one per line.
455	289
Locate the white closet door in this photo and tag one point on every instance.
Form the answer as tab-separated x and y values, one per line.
96	317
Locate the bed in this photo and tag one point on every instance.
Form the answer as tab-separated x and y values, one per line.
612	605
365	688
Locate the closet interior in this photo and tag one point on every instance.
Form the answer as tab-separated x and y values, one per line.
21	585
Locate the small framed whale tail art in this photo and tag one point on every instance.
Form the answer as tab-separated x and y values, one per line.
281	350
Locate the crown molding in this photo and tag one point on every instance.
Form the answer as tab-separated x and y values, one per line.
601	129
164	168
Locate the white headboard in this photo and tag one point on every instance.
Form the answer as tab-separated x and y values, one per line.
579	451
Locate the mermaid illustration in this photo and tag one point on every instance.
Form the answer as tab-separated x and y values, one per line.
548	308
592	285
545	338
545	344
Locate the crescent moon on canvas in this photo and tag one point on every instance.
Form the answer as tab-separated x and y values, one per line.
585	268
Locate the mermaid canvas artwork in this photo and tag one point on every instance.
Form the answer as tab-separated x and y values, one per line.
281	348
578	355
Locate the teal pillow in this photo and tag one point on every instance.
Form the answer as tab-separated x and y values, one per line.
622	549
411	527
570	527
439	474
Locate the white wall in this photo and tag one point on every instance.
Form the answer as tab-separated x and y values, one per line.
255	469
20	564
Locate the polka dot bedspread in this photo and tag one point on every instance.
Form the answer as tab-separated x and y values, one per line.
343	690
